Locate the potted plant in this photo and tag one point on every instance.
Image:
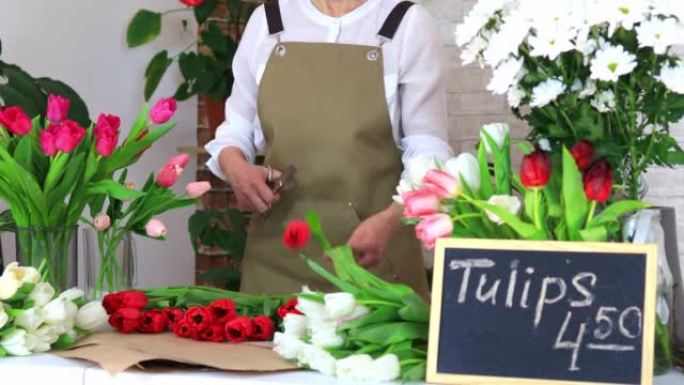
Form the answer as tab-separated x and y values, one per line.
205	64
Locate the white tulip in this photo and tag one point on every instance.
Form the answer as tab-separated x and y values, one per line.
42	294
339	305
509	202
91	316
418	166
30	319
287	346
8	287
42	340
317	359
386	368
72	294
497	131
48	333
466	168
18	343
311	309
60	311
403	187
354	368
295	324
4	318
324	334
22	274
359	312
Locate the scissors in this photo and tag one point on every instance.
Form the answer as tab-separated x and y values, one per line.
286	181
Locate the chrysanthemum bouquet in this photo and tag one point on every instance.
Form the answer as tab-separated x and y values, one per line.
597	70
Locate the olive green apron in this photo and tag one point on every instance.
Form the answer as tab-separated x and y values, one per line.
322	107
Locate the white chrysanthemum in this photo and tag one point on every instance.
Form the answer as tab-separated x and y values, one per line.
586	44
604	101
551	40
625	13
576	86
660	34
507	74
546	92
469	28
673	77
473	51
668	8
515	96
544	11
611	62
589	89
507	41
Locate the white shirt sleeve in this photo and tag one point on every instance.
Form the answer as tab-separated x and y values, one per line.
239	128
422	90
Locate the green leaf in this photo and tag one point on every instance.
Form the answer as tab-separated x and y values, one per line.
414	372
190	65
378	315
390	333
486	187
415	310
525	230
574	201
204	10
113	189
155	71
64	341
21	89
615	211
502	164
143	28
317	230
594	234
675	157
23	154
337	282
214	38
225	277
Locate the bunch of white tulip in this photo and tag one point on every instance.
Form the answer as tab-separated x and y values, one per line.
34	319
314	340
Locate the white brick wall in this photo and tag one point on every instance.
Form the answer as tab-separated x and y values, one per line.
470	106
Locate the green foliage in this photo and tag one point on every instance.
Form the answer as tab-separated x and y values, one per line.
155	71
143	28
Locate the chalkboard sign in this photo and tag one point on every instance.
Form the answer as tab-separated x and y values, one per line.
516	312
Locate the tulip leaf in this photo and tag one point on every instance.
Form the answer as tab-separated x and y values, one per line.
57	169
23	153
594	234
64	341
317	230
378	315
3	353
618	209
155	71
574	200
415	310
502	163
113	189
486	187
7	330
390	333
330	277
68	180
415	372
204	10
525	230
143	28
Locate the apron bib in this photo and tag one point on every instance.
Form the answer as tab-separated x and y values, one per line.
322	107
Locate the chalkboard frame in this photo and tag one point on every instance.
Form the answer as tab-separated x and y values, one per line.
648	334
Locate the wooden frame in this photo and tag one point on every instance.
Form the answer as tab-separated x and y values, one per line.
648	333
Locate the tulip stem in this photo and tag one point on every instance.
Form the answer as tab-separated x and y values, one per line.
592	211
380	303
537	209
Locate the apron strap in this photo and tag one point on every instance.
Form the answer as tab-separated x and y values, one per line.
391	25
273	18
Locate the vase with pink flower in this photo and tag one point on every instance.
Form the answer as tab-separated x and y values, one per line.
52	168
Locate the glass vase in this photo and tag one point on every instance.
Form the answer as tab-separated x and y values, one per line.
53	251
110	261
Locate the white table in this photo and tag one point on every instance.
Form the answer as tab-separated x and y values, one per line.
52	370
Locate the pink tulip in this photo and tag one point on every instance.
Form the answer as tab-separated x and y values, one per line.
106	142
433	227
181	160
63	137
47	143
163	110
15	121
169	173
107	123
102	222
420	203
442	184
197	189
57	108
155	229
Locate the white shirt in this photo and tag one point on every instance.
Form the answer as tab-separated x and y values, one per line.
414	75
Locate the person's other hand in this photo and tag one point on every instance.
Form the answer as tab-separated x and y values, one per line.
248	182
370	238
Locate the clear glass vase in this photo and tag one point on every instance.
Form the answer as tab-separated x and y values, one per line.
110	261
53	251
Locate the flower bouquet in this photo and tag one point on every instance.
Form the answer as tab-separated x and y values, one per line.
33	319
596	70
52	168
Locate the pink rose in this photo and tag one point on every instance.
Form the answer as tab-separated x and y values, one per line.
442	184
57	108
15	121
155	229
169	173
197	189
102	222
420	203
163	110
107	123
433	227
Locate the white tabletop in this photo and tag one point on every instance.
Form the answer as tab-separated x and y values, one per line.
53	370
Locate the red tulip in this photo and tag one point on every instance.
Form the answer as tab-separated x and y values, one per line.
288	307
598	182
420	203
192	3
163	110
214	333
583	152
173	315
126	320
442	184
199	318
433	227
183	330
263	328
223	310
296	235
57	108
239	329
153	321
15	121
535	170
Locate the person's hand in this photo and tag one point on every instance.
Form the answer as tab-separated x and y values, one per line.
370	238
248	182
